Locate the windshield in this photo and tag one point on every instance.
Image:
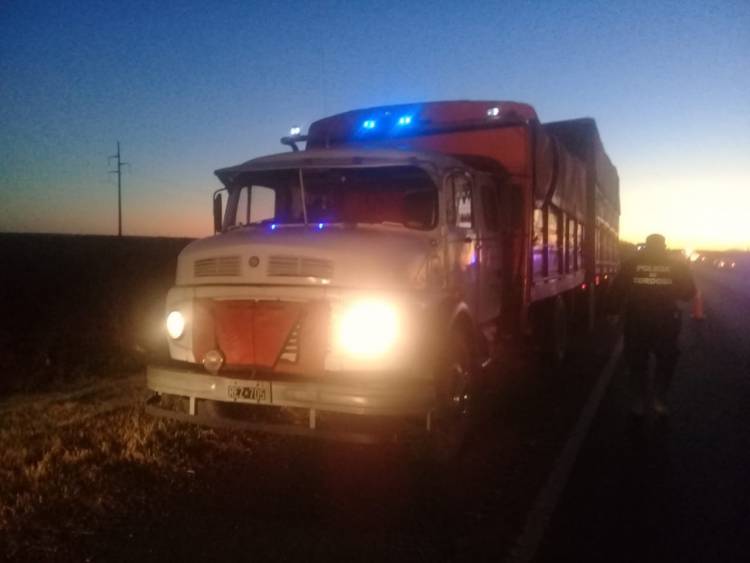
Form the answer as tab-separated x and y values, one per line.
403	195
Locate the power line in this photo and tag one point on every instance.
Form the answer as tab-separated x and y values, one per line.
120	164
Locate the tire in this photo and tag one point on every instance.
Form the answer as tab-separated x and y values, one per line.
455	389
555	335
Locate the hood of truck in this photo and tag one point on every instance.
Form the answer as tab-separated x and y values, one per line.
335	256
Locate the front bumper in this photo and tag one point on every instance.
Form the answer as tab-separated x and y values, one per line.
385	396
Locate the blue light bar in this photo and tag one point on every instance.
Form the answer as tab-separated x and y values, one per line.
369	124
404	120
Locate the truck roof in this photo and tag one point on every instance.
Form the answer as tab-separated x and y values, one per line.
382	122
335	158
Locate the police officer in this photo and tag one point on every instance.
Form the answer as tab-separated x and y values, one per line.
647	290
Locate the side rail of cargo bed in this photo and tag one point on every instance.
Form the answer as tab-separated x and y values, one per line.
360	412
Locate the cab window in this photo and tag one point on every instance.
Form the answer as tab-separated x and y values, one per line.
255	204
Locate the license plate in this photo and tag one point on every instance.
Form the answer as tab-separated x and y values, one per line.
250	391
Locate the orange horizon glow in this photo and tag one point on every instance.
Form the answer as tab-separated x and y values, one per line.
707	210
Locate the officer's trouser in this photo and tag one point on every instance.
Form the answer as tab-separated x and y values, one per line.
644	337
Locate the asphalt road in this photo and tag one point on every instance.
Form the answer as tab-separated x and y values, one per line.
677	490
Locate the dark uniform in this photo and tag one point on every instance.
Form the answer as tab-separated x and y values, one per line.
647	290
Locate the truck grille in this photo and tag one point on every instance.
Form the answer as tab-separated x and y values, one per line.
219	266
296	266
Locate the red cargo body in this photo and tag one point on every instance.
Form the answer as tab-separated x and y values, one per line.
566	215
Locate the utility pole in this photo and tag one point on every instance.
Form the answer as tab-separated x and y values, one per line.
120	164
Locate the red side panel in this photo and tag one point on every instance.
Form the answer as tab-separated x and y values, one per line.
250	333
272	325
507	145
234	331
204	338
271	335
313	335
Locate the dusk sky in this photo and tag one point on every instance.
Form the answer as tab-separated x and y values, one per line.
188	89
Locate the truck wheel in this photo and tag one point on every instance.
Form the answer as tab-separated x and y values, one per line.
455	386
555	335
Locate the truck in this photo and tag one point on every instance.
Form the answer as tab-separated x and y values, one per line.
361	285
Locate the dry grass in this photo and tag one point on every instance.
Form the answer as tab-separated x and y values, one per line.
85	474
70	467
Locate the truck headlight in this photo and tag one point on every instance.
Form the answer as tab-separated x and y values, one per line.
368	328
175	324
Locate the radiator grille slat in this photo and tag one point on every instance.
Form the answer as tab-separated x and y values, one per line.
283	266
316	268
295	266
219	266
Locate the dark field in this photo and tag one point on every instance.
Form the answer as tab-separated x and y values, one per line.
80	306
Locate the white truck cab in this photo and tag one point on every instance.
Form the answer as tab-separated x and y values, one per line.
357	281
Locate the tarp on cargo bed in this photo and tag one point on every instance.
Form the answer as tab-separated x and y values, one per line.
581	138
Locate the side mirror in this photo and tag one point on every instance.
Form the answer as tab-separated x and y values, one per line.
217	212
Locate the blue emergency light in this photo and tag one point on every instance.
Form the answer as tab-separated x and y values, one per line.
369	124
404	120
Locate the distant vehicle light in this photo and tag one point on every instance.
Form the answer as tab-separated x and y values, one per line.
320	226
722	263
175	324
733	264
295	131
369	124
404	120
493	112
273	226
368	328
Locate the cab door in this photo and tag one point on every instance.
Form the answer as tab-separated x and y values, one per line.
489	249
461	238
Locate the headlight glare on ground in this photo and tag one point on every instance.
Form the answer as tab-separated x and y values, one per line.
368	328
175	324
